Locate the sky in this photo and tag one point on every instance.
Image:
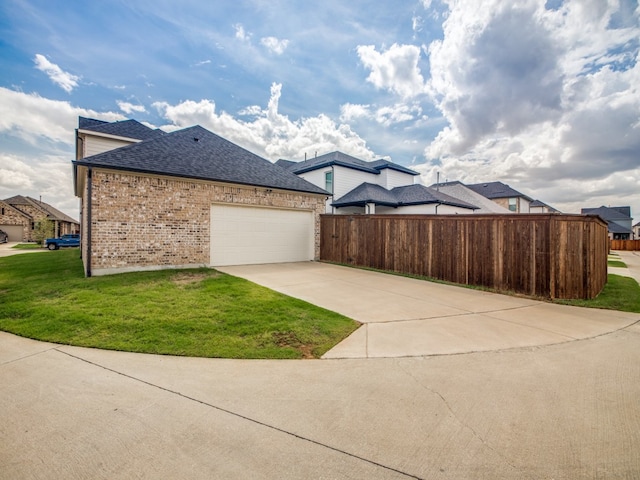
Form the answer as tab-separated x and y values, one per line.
541	95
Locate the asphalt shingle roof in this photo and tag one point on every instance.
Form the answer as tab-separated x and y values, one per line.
406	195
126	128
493	190
344	160
607	213
197	153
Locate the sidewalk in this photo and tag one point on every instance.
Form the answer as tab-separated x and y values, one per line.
632	261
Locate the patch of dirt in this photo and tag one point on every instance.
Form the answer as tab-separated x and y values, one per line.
290	339
190	278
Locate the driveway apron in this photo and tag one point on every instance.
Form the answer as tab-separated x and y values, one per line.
409	317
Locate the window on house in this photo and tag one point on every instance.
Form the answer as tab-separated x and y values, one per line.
328	181
513	204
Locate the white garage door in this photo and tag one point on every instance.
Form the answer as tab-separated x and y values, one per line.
253	235
14	232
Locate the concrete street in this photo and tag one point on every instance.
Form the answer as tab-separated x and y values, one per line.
548	398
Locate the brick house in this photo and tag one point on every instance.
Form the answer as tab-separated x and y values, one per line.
20	214
185	199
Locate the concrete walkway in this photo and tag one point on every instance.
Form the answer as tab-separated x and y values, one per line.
632	261
6	249
561	411
407	317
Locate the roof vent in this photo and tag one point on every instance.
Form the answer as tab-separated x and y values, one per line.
196	139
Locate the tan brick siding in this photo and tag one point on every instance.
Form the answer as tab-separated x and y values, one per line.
141	221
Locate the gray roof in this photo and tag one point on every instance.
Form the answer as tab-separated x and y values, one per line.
367	193
397	197
609	213
344	160
197	153
493	190
126	128
539	203
462	192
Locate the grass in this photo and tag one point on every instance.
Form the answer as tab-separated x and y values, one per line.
27	246
620	293
616	263
197	312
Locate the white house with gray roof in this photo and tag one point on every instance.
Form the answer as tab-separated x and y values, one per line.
380	186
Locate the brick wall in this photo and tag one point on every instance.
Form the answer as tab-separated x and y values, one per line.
142	222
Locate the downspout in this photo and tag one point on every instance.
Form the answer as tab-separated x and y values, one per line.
88	210
333	187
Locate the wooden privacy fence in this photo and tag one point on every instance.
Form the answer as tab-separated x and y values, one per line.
546	255
625	244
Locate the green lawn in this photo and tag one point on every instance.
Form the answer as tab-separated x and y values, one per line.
198	312
620	293
616	263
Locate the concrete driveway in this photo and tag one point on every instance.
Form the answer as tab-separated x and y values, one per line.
6	249
408	317
565	410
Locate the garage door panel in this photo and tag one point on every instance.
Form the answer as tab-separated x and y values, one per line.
13	231
242	235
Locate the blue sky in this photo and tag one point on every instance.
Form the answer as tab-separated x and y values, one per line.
542	96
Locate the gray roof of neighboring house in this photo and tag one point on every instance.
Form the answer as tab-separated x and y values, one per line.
52	212
415	194
126	128
343	160
539	203
462	192
493	190
197	153
609	213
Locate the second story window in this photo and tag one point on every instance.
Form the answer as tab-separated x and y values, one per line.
328	181
513	204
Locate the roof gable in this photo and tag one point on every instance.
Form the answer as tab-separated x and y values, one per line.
457	189
493	190
126	128
51	212
197	153
343	160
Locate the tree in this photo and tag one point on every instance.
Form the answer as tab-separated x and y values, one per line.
44	228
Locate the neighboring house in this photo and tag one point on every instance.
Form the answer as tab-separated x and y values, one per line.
539	207
636	231
462	192
409	199
504	195
19	216
189	198
618	220
380	186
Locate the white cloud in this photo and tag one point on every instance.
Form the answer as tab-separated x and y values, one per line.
545	99
64	80
129	108
42	118
387	115
395	69
270	134
275	45
241	34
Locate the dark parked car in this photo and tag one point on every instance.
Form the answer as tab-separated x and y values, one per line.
69	240
4	238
